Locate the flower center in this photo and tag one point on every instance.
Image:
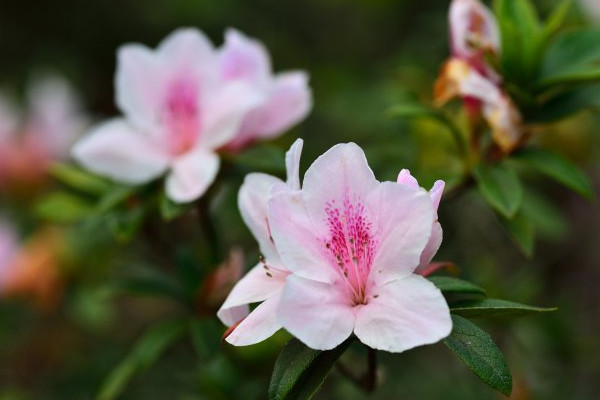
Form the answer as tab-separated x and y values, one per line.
181	115
351	246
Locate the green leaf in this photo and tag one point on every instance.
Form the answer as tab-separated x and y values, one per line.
573	57
114	197
124	225
79	179
417	110
564	104
547	218
170	210
478	351
146	351
300	370
522	231
206	335
556	19
495	308
454	285
558	168
500	187
63	207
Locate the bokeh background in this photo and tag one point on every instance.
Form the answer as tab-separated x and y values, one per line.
362	56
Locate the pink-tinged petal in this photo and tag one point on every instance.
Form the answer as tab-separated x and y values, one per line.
405	217
231	315
225	111
292	164
56	118
459	78
253	197
186	50
258	326
139	83
289	103
191	174
297	239
115	150
254	287
436	192
405	178
433	245
406	313
315	312
472	28
340	173
8	250
244	58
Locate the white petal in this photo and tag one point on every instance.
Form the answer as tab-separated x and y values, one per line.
408	312
231	315
258	326
292	164
191	174
318	314
435	240
405	178
186	49
115	150
244	58
404	220
253	197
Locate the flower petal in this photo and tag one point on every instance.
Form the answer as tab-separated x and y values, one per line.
138	85
315	313
433	245
259	325
253	197
436	192
405	178
115	150
191	174
289	102
187	48
405	217
255	286
408	312
225	112
292	164
244	58
472	28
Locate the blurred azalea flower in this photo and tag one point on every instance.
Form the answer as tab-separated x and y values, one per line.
265	282
45	133
181	103
31	270
458	78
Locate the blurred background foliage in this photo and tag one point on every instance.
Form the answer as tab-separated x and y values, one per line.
362	56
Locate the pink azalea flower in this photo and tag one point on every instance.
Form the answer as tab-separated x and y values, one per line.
288	97
352	245
177	112
435	240
264	283
8	251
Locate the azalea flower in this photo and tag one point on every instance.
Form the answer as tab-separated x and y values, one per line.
31	140
264	283
459	78
351	245
435	240
8	249
288	97
181	103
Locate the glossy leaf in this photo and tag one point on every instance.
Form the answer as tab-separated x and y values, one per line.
477	350
146	351
522	231
63	207
558	168
495	308
454	285
500	187
300	370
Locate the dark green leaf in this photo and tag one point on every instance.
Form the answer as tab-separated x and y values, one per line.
500	187
556	19
454	285
565	104
63	207
79	179
558	168
114	197
124	225
478	351
143	355
495	308
522	231
206	336
300	371
547	218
